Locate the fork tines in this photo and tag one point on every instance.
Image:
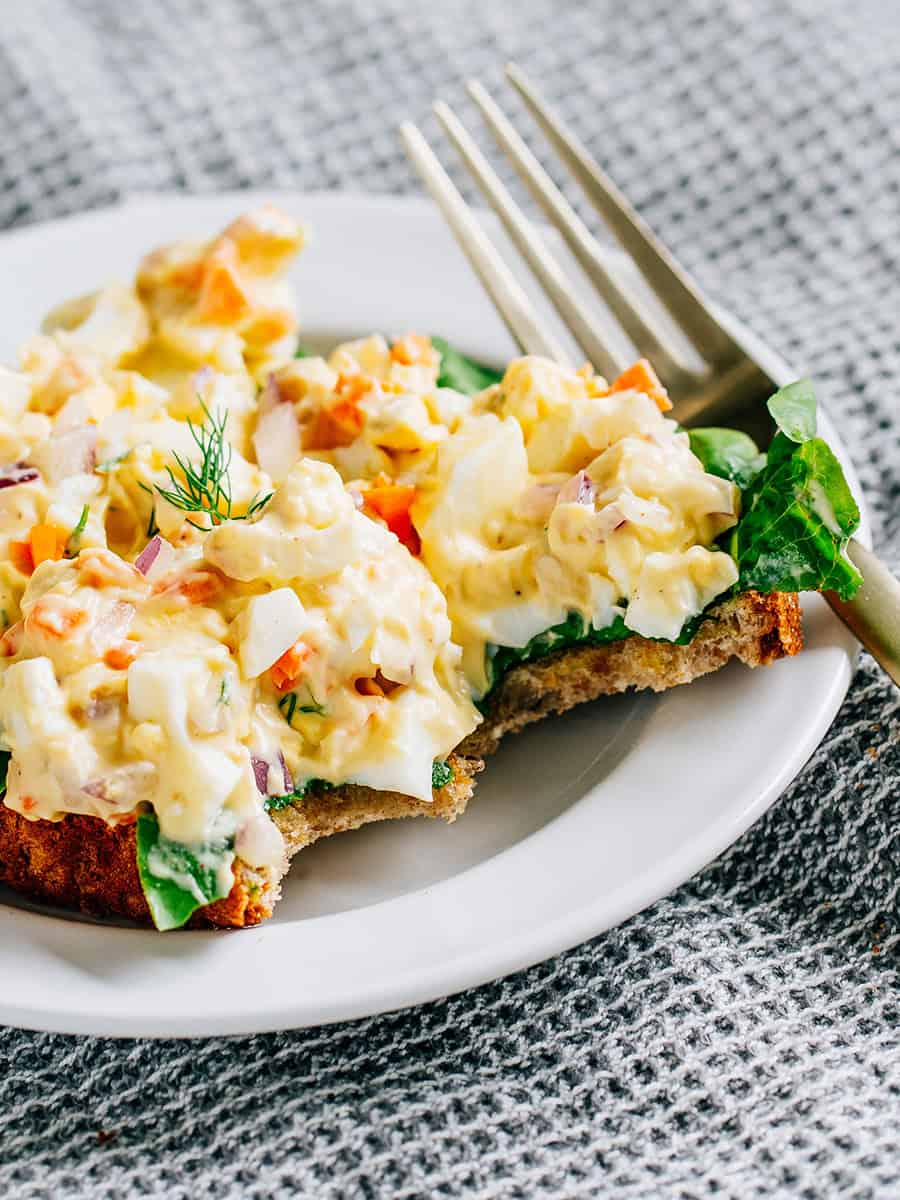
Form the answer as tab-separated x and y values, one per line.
628	319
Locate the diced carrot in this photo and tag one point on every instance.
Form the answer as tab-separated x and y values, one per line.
640	377
55	617
412	350
352	386
20	557
29	804
188	275
47	542
99	567
341	423
222	298
120	658
288	669
390	499
197	586
392	502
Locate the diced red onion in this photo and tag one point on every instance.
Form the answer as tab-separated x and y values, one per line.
286	772
577	490
261	770
260	774
96	788
270	396
14	473
277	440
156	558
148	555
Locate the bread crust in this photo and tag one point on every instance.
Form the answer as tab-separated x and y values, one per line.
753	628
83	863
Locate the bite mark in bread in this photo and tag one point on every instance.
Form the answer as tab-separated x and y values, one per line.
83	863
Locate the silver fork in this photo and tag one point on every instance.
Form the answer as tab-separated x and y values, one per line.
712	378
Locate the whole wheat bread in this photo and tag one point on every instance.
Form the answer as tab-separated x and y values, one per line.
83	863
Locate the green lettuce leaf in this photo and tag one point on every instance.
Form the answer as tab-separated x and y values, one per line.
727	453
461	373
799	512
798	516
176	879
793	409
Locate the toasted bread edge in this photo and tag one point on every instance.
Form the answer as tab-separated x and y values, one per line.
753	628
84	864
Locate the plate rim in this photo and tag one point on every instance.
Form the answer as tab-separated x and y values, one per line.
467	969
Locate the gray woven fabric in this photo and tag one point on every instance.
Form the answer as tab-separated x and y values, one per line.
741	1037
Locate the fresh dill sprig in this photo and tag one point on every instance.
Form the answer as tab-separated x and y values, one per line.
206	488
290	704
110	464
73	541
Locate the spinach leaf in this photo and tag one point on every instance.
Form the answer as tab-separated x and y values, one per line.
461	373
441	775
5	756
799	515
727	453
793	409
300	792
176	879
575	630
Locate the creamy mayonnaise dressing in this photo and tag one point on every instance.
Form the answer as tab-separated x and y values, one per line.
155	656
225	570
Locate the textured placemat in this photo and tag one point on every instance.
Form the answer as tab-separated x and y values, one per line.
741	1037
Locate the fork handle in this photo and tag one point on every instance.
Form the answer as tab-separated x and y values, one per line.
873	614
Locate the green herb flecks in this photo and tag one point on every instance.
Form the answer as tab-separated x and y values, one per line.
441	775
224	696
177	879
206	485
461	373
300	792
73	542
303	351
110	464
289	705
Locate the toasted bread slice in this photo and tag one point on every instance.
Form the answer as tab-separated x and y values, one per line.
83	863
753	628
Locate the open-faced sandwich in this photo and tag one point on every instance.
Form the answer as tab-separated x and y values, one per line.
251	596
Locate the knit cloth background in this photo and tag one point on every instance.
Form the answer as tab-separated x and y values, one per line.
740	1038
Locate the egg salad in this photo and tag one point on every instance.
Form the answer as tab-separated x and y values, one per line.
186	634
231	568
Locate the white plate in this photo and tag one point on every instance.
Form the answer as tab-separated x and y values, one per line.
576	825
